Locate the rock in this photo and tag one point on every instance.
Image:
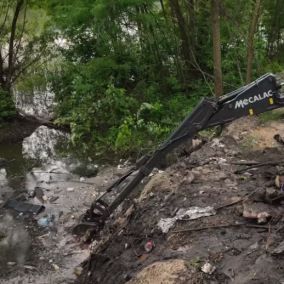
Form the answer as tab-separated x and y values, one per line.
259	211
56	267
70	189
208	268
11	263
279	249
82	178
160	273
271	192
78	271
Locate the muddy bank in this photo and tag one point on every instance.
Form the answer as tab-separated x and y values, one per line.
237	242
16	130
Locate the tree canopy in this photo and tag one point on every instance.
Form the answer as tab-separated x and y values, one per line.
130	71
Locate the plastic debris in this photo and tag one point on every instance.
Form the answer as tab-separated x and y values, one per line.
46	220
208	268
56	267
82	178
70	189
21	214
189	214
149	246
29	267
11	263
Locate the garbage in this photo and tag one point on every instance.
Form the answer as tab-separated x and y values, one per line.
189	214
70	189
39	194
29	267
11	263
21	214
208	268
46	220
53	198
149	247
56	267
31	194
82	178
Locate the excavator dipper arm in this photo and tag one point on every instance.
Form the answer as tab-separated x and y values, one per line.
260	96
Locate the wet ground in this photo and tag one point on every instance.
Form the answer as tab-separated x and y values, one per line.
30	250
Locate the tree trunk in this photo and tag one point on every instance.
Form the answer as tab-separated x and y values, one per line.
215	19
250	41
181	24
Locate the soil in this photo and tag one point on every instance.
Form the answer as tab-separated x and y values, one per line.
239	248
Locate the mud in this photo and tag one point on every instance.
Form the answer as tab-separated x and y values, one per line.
240	252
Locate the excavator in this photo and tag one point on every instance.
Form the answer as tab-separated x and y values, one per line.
260	96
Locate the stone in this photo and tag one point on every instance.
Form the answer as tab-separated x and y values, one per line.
271	192
257	210
70	189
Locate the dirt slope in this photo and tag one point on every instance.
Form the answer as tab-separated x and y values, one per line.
239	253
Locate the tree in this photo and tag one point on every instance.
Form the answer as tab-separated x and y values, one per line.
215	18
22	44
251	39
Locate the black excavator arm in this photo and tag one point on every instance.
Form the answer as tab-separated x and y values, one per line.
260	96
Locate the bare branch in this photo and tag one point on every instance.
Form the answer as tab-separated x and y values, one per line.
6	15
23	30
12	38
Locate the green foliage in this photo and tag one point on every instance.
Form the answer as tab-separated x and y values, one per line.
266	117
125	80
7	109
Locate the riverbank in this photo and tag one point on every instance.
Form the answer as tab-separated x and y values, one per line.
16	130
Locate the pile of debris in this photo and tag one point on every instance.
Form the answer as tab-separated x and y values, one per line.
213	217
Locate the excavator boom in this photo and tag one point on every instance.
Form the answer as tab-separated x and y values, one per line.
260	96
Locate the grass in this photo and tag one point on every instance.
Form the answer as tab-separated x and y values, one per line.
249	142
267	117
195	262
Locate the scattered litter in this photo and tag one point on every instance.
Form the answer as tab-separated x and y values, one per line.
50	261
149	247
216	143
39	194
74	209
31	194
45	220
56	267
208	268
185	214
201	192
44	198
82	178
29	267
11	263
70	189
53	198
21	214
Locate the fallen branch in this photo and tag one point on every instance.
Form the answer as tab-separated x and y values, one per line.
242	163
257	166
221	226
235	202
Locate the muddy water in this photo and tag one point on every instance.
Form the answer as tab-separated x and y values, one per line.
35	161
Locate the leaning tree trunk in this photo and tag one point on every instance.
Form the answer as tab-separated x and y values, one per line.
250	41
215	19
